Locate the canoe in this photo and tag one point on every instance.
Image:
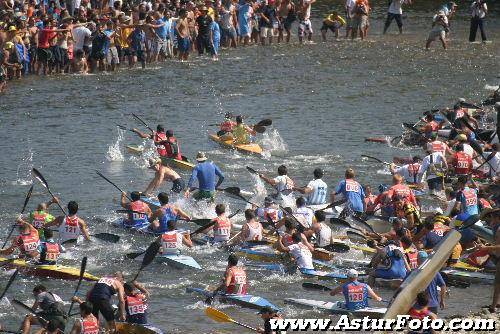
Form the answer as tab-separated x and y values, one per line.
336	307
126	328
469	277
179	261
134	149
252	148
483	232
248	301
181	164
48	271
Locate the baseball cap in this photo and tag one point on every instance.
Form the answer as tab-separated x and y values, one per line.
422	255
352	273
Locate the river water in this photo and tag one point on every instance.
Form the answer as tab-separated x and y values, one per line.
324	100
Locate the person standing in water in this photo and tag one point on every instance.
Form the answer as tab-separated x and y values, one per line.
204	172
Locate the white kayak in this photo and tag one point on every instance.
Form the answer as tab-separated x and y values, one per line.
469	276
336	307
179	261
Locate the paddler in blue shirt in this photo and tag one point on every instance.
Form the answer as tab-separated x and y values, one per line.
353	192
389	263
355	293
140	211
165	213
436	299
205	172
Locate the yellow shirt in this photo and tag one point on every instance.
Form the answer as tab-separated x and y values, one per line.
122	37
331	18
241	135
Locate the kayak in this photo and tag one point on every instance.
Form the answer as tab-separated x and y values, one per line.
134	149
181	164
179	261
48	271
248	301
323	275
127	328
251	148
336	307
140	229
467	276
381	140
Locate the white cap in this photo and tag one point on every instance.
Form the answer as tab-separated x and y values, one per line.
352	273
439	211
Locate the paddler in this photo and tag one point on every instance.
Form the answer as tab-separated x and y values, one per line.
88	323
70	226
420	310
252	230
282	183
163	172
301	250
267	313
353	193
404	209
401	190
204	172
223	225
227	125
409	171
461	162
165	213
270	212
173	241
316	190
27	242
136	303
100	297
234	280
302	213
431	234
242	133
466	200
436	298
41	216
355	293
322	232
438	146
165	142
389	263
492	216
49	249
140	211
435	165
411	252
51	310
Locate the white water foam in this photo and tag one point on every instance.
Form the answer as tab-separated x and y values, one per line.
114	151
23	173
273	143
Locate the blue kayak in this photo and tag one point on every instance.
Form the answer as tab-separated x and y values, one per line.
179	261
313	273
248	301
141	229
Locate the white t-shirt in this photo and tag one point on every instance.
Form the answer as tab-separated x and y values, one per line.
302	255
80	34
478	10
319	192
437	159
395	7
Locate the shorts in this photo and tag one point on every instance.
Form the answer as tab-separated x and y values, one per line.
183	44
159	46
112	56
97	55
44	55
287	22
178	185
204	194
435	34
360	22
334	27
229	32
104	307
266	32
60	55
305	27
139	54
397	17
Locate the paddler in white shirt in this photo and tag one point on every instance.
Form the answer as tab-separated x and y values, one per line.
316	190
251	231
301	250
282	183
303	214
321	231
173	241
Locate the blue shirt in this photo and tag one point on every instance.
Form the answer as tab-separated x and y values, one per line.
163	31
214	27
353	193
469	205
356	295
432	290
205	173
138	38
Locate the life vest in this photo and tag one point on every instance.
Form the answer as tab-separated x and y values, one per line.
351	185
173	150
222	229
238	283
470	196
240	134
254	234
433	126
438	146
272	214
160	136
136	308
52	251
227	125
356	295
69	229
171	242
39	219
90	325
462	163
139	217
370	203
478	258
413	172
400	190
460	113
169	213
440	229
29	242
419	314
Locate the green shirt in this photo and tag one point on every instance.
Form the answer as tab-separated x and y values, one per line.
38	219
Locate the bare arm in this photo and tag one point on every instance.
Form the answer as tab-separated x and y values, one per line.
83	228
372	294
121	301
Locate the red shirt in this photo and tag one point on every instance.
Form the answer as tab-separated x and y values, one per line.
462	163
45	36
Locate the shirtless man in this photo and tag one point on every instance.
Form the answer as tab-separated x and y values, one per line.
184	38
304	15
161	173
286	16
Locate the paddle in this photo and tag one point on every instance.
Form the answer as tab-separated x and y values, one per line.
337	247
265	122
375	159
487	160
104	236
212	223
26	200
356	236
149	255
28	309
82	273
112	183
144	123
40	178
235	191
220	316
9	283
124	128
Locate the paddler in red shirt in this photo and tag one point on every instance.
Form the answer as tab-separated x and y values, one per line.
45	38
227	125
235	278
167	145
27	242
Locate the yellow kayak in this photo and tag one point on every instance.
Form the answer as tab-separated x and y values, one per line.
52	271
245	148
126	328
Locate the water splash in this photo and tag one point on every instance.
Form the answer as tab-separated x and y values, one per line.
114	151
23	173
272	142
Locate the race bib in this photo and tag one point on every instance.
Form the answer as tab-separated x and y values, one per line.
137	309
351	186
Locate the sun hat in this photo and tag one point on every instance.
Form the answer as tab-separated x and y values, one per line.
200	157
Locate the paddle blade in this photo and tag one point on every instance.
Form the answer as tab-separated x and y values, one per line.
150	253
26	200
217	315
315	286
356	237
134	255
232	190
338	247
259	129
234	214
109	237
203	227
251	170
82	267
265	122
9	283
40	177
